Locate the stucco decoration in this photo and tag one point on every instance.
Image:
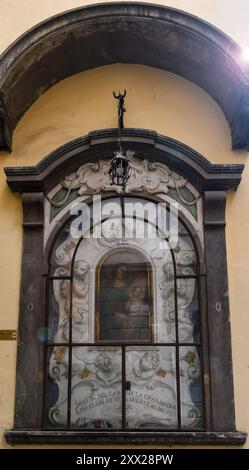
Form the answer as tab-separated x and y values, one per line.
96	370
185	294
147	177
97	390
80	301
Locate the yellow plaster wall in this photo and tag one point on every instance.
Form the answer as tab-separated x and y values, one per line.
155	100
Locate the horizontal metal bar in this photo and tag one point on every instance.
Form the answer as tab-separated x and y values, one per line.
59	278
98	345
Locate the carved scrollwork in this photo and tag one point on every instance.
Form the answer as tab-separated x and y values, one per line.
190	372
146	176
184	258
96	373
80	303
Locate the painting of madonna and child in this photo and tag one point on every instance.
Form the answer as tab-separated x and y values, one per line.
124	298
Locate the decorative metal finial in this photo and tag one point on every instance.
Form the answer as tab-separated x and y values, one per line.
120	166
121	108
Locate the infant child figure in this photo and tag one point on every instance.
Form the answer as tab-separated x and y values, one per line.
137	305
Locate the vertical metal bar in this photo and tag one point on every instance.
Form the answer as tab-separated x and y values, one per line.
69	359
45	356
151	322
178	388
123	387
122	205
70	347
204	360
45	380
178	385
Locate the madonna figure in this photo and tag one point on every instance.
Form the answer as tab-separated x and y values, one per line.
123	307
113	297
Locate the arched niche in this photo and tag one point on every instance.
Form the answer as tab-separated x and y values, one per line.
170	161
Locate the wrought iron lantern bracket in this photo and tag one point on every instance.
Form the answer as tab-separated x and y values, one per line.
120	169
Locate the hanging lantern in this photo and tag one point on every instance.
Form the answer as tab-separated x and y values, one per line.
120	169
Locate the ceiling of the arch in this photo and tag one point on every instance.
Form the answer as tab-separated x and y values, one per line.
135	33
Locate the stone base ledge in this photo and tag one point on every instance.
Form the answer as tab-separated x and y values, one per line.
22	436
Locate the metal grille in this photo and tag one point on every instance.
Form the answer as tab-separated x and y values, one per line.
66	349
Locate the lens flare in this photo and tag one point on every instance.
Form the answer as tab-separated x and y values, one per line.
245	55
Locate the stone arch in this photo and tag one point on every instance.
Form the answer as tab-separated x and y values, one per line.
123	32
